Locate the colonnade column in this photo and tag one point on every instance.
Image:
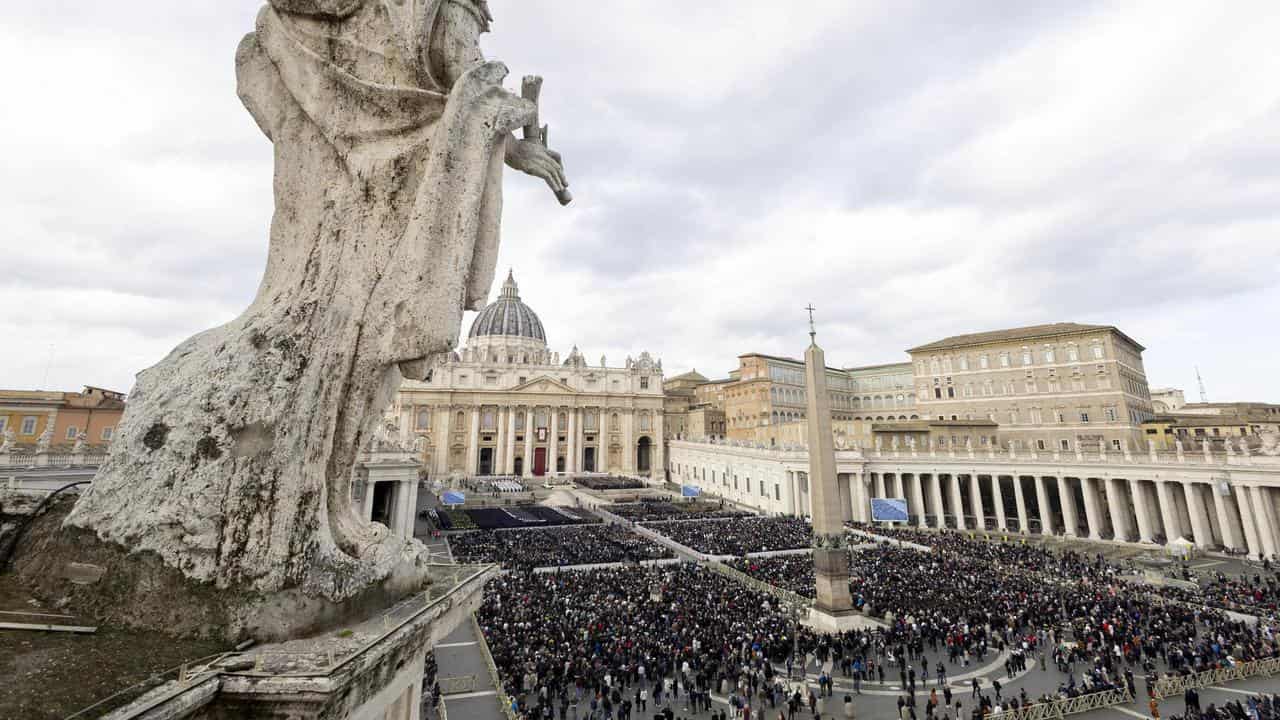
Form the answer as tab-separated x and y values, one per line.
1244	504
1168	511
1092	512
935	489
997	497
628	442
1046	510
1199	515
918	487
1020	502
1119	509
957	502
1262	512
1140	509
1230	530
1070	516
879	480
975	499
528	442
509	461
473	444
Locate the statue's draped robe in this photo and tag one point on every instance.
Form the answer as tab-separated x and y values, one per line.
234	458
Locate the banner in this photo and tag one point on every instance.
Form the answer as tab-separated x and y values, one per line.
690	491
453	497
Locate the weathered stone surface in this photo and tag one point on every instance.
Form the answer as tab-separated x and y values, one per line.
232	462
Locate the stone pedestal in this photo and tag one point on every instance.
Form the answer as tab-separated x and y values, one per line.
831	567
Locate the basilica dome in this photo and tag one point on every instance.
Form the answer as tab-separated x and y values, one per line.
508	317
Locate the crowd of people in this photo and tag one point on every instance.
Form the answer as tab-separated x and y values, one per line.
610	482
667	509
739	536
555	547
1259	706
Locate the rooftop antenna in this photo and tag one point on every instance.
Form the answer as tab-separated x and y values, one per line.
813	332
1204	396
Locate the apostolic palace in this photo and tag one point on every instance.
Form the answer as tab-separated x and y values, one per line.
506	404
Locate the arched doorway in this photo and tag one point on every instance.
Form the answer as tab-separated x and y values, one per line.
486	461
642	455
519	467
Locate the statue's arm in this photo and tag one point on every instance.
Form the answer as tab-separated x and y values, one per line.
455	49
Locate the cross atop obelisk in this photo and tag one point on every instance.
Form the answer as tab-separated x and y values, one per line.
813	331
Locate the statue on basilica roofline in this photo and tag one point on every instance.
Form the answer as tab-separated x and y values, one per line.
234	457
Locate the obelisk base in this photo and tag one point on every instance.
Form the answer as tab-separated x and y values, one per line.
831	569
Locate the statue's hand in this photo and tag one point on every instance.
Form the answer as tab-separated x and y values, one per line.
535	159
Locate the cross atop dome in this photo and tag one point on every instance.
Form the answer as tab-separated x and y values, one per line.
509	288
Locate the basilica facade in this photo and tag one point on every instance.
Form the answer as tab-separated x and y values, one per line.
506	405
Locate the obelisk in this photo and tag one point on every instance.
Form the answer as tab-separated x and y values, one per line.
830	551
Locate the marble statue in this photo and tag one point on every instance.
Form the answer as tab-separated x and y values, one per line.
44	443
9	442
1270	443
390	131
82	442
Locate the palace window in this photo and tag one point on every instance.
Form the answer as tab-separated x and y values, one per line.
1111	414
1064	444
541	418
1040	445
1097	352
107	433
1073	353
28	425
644	422
1115	445
423	420
1084	417
1058	417
489	419
1004	359
562	422
984	362
964	362
644	383
615	422
72	431
1048	355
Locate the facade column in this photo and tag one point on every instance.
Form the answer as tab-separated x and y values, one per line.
957	503
528	441
571	454
1141	510
1264	520
997	497
1199	515
473	444
1020	502
1118	507
975	499
1092	512
935	490
1070	517
442	461
879	480
500	447
1046	510
918	486
509	460
629	442
794	478
1230	532
864	491
1244	506
553	442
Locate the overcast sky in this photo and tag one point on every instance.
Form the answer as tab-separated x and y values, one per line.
914	169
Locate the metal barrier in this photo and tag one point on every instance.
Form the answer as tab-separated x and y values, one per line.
455	685
1177	684
785	596
1071	706
503	699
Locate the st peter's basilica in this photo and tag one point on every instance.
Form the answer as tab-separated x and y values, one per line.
507	405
